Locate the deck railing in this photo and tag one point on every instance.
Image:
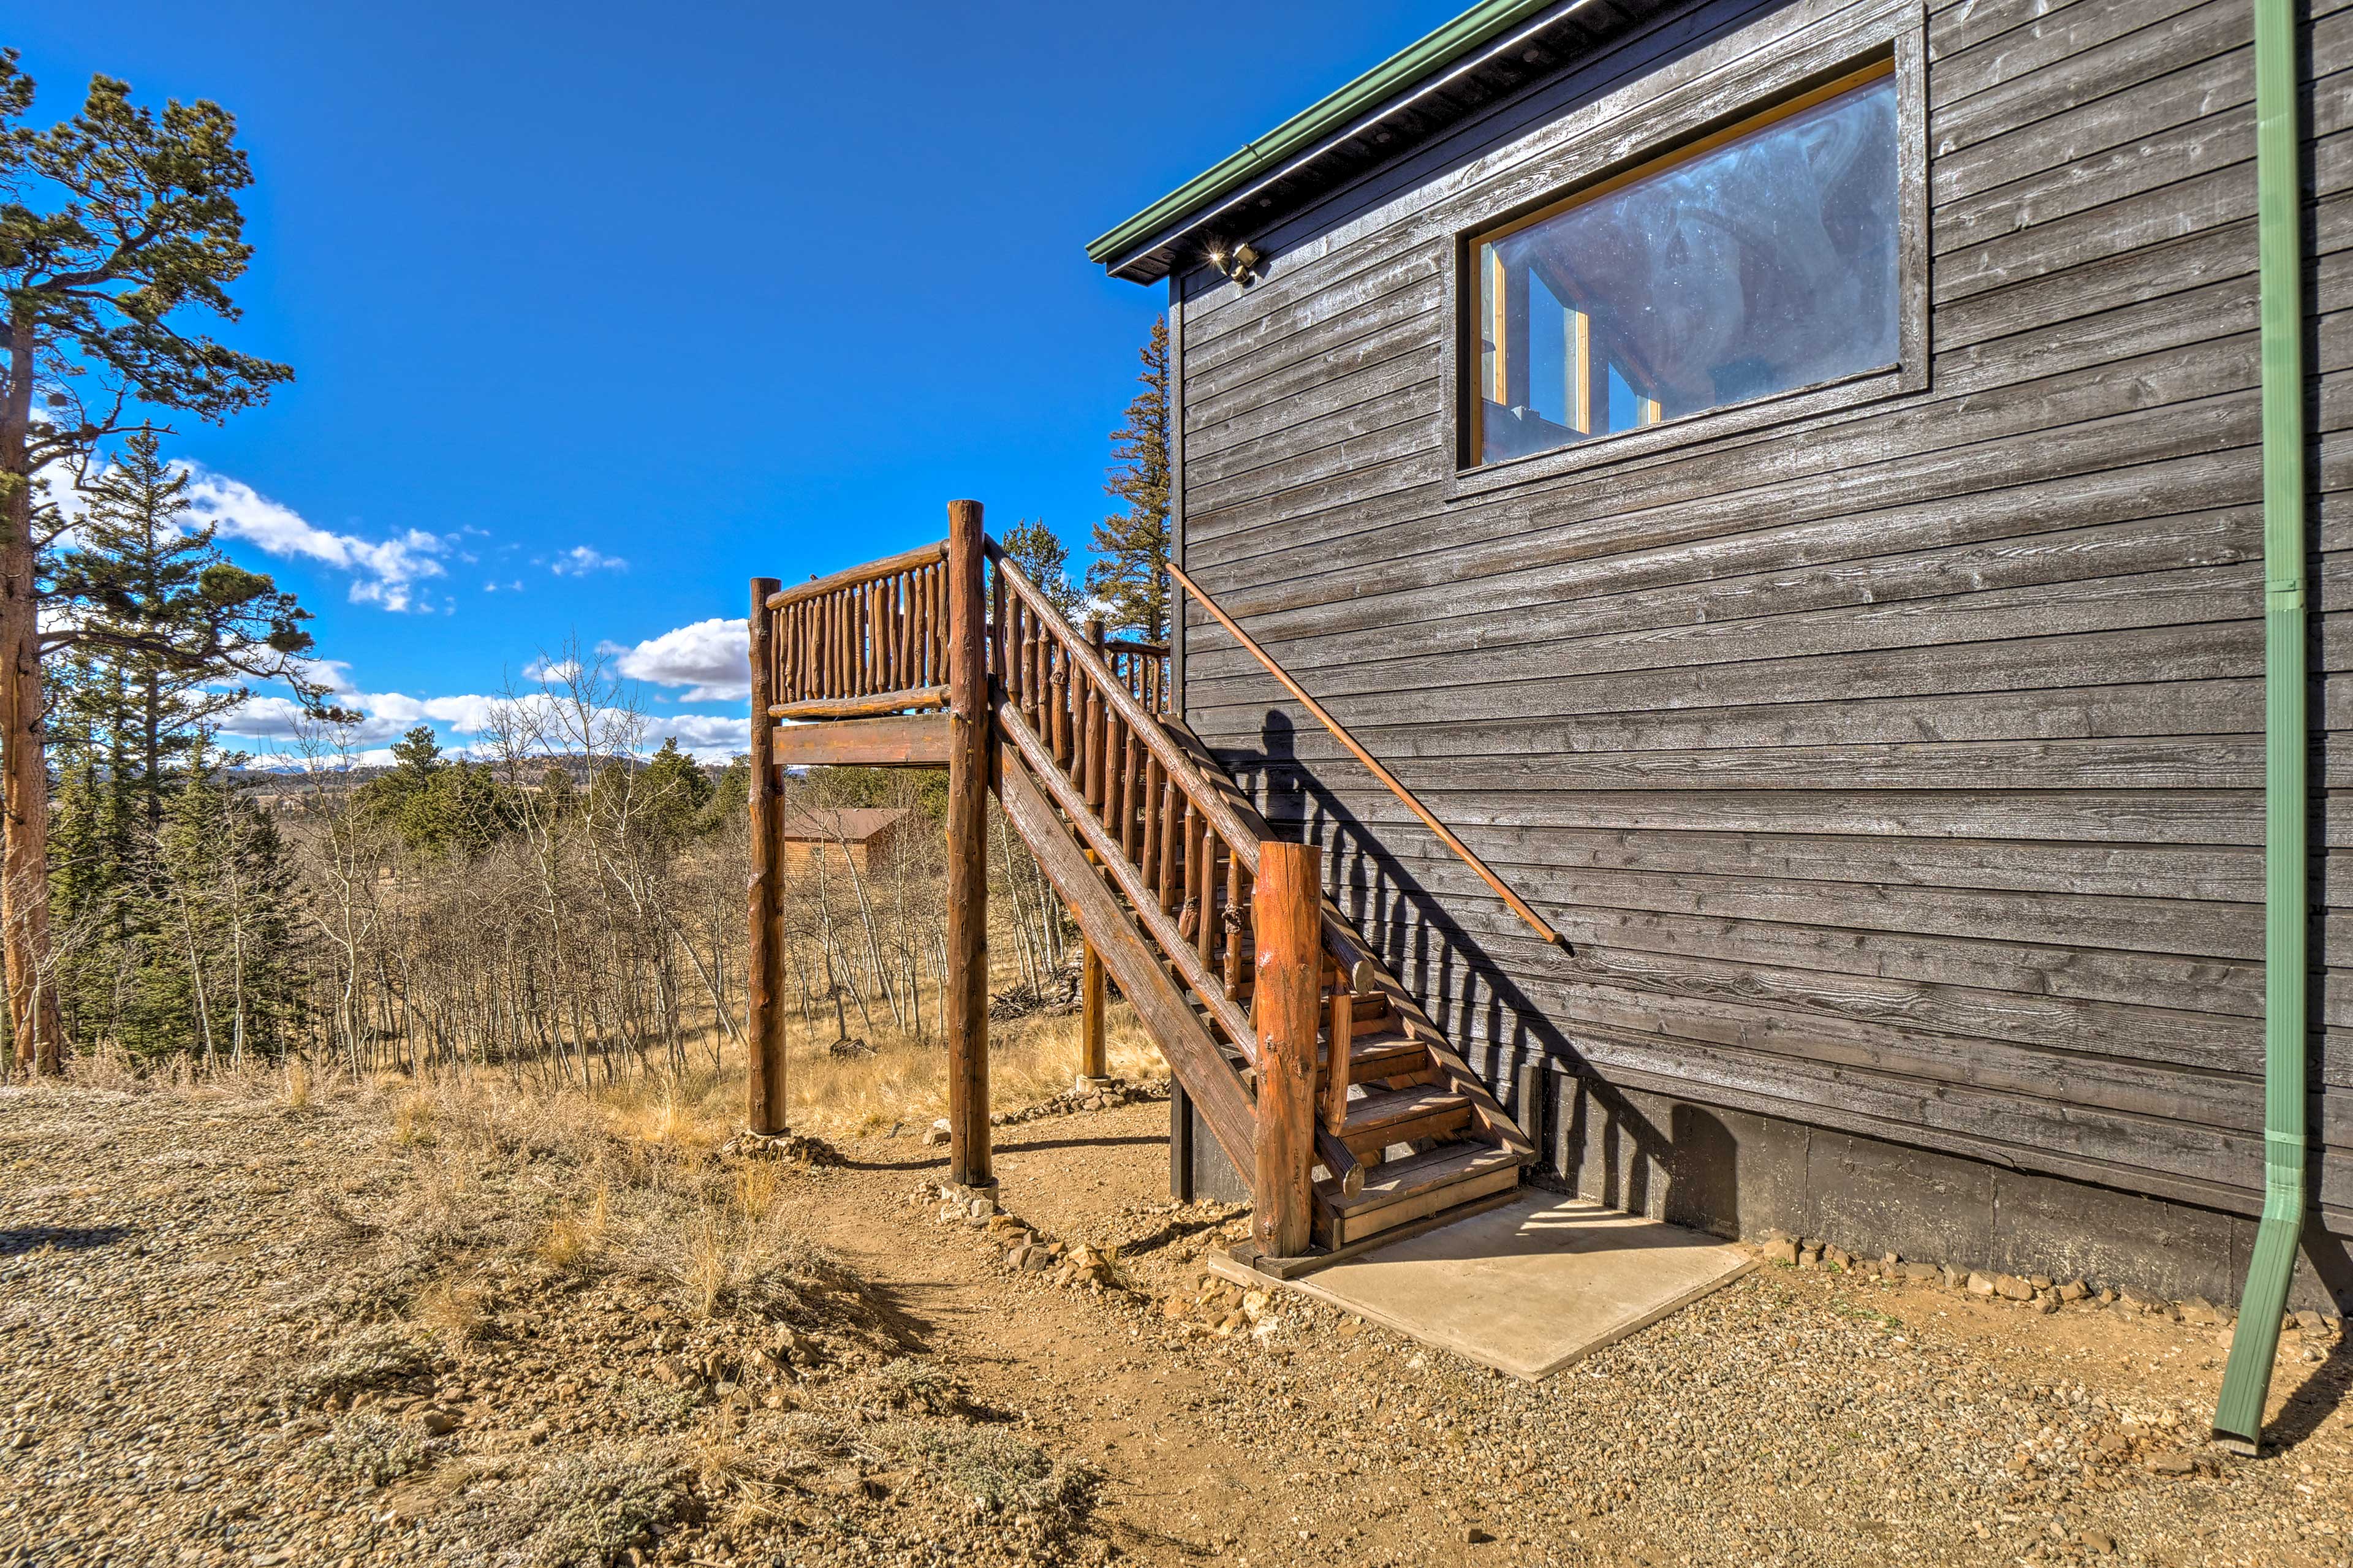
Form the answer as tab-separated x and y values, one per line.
863	642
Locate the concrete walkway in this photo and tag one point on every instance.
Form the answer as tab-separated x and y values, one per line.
1528	1287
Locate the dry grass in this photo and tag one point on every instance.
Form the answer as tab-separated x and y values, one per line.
575	1238
411	1120
450	1310
294	1083
1029	1060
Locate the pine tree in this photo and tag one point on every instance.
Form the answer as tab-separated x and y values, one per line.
437	805
1131	575
117	227
1045	560
168	616
675	790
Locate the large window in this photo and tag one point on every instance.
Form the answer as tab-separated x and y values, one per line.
1759	260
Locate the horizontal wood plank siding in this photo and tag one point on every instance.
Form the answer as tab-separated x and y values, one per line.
1898	768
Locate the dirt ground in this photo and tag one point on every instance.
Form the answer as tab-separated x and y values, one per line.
180	1279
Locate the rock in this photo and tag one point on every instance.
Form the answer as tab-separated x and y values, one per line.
1980	1284
2171	1463
1838	1258
1782	1250
1951	1278
2040	1281
2073	1290
981	1208
1925	1273
2311	1323
2046	1303
2098	1542
1038	1260
1017	1256
437	1423
937	1137
2106	1297
2010	1288
2198	1310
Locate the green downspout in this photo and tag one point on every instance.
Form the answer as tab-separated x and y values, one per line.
2239	1414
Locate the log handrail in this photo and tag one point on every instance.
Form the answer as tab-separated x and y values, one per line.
851	577
1066	731
1412	802
1144	723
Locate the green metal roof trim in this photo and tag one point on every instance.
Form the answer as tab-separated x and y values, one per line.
1439	50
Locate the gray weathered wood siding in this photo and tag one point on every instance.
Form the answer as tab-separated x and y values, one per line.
1898	771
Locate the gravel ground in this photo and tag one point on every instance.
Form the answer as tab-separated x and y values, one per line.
379	1331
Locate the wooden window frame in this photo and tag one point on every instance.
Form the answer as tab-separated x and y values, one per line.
1683	121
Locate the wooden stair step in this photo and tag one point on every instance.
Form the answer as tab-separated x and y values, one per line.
1402	1116
1374	1056
1415	1188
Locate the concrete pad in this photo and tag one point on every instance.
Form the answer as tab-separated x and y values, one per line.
1531	1286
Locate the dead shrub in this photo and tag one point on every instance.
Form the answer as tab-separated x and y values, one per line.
370	1359
911	1385
367	1447
998	1471
592	1507
451	1312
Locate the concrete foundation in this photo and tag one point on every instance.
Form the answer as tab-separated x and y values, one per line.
1738	1174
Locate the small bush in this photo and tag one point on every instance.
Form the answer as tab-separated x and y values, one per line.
373	1358
645	1403
589	1509
921	1386
993	1468
368	1448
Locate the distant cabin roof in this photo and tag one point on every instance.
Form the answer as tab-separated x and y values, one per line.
850	825
1485	54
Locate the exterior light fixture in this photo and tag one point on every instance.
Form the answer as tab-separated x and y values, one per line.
1237	262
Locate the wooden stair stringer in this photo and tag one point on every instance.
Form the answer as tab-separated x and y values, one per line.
1184	1040
1493	1122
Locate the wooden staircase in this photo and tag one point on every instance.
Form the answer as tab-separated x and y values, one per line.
1156	851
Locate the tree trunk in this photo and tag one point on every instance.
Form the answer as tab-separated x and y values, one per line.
24	764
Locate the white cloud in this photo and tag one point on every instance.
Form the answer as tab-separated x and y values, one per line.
579	561
386	570
711	658
710	737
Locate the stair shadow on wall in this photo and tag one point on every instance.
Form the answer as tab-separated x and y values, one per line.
1612	1149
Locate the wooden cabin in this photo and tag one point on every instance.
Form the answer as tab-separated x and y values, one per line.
1783	480
814	837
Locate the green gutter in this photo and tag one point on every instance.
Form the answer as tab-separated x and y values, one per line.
1467	32
2239	1414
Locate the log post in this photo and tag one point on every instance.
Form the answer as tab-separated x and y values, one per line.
1093	1062
763	1022
969	726
1284	919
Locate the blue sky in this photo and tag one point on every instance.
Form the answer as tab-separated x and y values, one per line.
595	310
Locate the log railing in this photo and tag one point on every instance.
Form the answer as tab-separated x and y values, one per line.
867	641
1143	668
1160	827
